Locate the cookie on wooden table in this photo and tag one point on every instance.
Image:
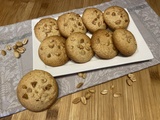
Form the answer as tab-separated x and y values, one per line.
125	42
37	90
69	23
93	19
78	47
52	51
102	44
116	17
46	27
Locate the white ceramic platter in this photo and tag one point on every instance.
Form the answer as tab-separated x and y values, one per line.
143	53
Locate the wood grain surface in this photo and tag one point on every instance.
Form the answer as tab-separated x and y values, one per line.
141	101
155	4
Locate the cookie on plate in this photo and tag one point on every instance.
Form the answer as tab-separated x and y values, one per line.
37	90
125	42
46	27
69	23
102	44
78	47
93	19
116	17
52	51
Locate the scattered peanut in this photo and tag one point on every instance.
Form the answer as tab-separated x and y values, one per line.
79	85
18	48
3	52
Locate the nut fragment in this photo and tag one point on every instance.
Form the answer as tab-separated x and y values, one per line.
15	47
82	75
92	91
129	82
3	52
21	50
132	77
8	47
83	100
87	95
19	44
16	54
104	92
25	41
112	87
76	100
25	96
116	95
79	85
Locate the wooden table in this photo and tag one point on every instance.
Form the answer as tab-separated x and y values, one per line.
141	101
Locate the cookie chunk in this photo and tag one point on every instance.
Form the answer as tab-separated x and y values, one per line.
69	23
102	44
116	17
46	27
125	42
78	46
93	19
52	51
37	90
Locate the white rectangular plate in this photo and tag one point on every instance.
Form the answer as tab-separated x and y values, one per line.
142	54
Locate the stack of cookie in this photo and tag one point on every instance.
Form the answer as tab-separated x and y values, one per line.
67	38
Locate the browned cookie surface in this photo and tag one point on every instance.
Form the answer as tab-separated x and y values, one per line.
93	19
69	23
37	90
125	42
78	46
116	17
52	51
102	44
46	27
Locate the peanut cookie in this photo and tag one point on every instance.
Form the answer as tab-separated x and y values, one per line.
46	27
37	90
69	23
78	46
52	51
102	44
116	17
93	19
125	42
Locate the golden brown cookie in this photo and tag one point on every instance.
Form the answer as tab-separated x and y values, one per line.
37	90
93	19
116	17
102	44
52	51
78	46
69	23
125	42
46	27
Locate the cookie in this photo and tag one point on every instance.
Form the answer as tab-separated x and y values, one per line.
93	19
46	27
69	23
116	17
52	51
125	42
102	44
37	90
78	47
